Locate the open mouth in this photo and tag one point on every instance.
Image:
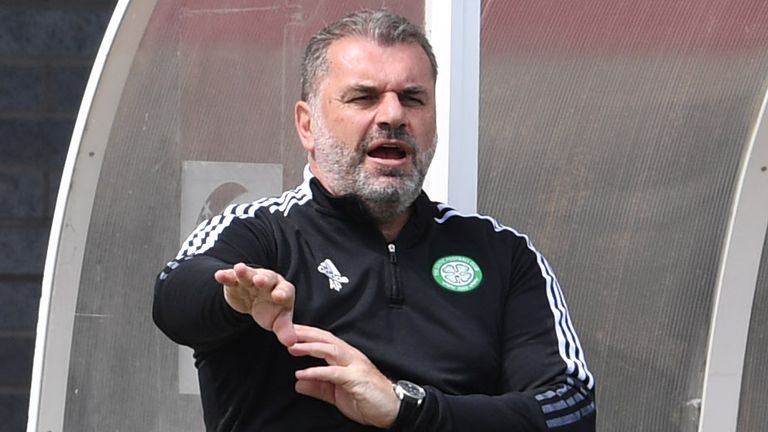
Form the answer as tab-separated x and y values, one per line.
388	151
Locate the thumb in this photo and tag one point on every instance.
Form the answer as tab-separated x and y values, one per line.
283	328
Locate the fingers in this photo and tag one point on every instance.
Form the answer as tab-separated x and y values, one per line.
265	282
322	344
225	277
283	292
239	275
332	354
328	374
317	389
314	342
313	334
247	275
260	283
264	294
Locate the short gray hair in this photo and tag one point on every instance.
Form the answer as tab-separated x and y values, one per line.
381	26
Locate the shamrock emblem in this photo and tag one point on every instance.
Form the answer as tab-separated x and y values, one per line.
457	273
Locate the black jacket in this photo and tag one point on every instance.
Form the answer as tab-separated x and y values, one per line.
457	303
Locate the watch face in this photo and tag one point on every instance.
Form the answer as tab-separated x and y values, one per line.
411	389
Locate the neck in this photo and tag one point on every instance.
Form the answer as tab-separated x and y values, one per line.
391	227
389	217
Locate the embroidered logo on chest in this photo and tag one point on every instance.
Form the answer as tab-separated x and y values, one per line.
335	278
457	273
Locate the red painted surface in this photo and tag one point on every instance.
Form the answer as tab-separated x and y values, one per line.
240	20
615	26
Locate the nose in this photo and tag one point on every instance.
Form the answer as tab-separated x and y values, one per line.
390	114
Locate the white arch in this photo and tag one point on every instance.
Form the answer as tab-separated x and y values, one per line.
72	215
736	284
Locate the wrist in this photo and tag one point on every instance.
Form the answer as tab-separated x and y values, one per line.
411	397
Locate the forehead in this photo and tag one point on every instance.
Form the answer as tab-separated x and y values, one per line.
354	60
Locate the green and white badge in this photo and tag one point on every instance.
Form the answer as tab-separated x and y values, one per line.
457	273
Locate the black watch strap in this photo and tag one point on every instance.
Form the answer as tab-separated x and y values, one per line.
411	398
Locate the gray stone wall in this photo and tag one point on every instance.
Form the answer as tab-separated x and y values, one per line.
47	48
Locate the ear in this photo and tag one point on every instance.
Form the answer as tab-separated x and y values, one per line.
303	119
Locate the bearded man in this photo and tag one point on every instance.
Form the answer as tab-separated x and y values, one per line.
355	303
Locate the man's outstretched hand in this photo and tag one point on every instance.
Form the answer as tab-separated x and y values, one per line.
264	295
350	381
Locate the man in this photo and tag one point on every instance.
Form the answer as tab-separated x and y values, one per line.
353	302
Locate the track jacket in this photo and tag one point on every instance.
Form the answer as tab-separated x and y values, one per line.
459	304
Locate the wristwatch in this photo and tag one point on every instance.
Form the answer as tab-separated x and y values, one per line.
411	396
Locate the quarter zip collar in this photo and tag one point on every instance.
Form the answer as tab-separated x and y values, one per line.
349	207
353	210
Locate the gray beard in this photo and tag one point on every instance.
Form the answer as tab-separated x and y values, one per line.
386	193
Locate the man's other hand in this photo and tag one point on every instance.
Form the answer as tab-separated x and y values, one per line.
263	294
350	381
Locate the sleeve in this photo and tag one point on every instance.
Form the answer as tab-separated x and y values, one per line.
189	305
544	383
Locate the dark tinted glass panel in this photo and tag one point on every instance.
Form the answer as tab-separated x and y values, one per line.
213	81
612	133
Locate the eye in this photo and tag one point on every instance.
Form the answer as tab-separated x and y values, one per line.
363	98
411	98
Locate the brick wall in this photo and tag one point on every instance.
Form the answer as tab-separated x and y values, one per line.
47	48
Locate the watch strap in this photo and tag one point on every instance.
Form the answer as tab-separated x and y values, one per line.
409	409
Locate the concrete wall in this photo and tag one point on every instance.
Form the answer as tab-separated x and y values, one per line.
47	48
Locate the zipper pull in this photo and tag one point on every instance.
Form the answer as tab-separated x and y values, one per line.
392	256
